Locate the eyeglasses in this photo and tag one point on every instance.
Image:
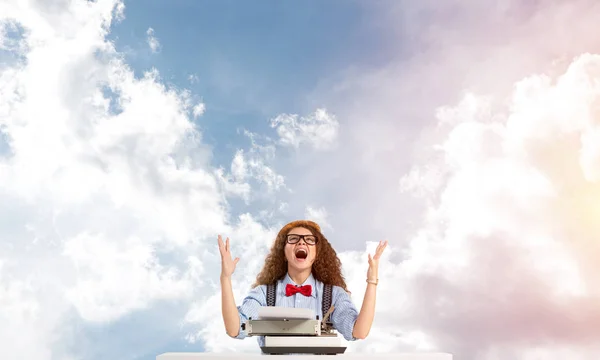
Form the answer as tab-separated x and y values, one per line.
309	239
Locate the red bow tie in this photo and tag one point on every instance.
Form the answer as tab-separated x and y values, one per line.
305	290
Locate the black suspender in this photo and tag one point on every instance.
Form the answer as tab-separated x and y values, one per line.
271	294
327	289
327	297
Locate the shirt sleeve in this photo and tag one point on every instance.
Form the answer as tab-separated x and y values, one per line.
249	307
345	314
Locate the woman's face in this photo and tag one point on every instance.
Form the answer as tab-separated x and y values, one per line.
300	248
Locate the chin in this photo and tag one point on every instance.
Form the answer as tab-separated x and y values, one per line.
302	265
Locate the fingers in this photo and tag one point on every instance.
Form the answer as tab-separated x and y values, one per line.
223	247
220	242
382	245
236	261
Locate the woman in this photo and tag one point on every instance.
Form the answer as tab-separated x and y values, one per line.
300	264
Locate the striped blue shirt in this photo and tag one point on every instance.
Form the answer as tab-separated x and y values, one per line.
342	318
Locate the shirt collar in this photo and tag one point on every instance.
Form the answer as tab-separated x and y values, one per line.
309	281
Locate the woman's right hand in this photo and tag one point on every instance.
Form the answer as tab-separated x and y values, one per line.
227	263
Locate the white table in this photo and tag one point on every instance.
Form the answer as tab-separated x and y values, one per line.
236	356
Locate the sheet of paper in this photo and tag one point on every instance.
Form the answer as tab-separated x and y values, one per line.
348	355
303	341
279	312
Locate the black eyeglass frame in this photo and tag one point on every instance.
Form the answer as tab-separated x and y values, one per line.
303	237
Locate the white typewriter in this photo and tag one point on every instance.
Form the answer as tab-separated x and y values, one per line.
294	331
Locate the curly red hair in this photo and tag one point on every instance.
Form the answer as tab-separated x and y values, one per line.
327	267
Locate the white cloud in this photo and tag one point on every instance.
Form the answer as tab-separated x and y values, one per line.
253	167
97	188
422	181
507	179
114	279
152	41
239	168
20	313
106	193
509	234
318	130
503	263
199	110
318	215
250	242
256	165
504	179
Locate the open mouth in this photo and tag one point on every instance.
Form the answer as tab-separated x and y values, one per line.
301	254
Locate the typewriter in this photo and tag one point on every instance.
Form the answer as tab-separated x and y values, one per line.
294	331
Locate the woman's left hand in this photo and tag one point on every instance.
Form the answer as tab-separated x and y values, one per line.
372	273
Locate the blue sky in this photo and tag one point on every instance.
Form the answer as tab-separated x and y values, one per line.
253	60
443	127
138	336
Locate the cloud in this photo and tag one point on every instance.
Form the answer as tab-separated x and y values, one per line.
495	257
253	168
318	215
152	41
487	202
193	78
506	260
104	176
107	196
115	279
318	130
250	242
199	110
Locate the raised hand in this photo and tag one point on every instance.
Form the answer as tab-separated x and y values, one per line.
227	263
372	273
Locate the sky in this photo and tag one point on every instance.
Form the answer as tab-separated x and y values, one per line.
466	133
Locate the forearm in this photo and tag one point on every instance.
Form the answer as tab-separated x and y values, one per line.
363	323
229	310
